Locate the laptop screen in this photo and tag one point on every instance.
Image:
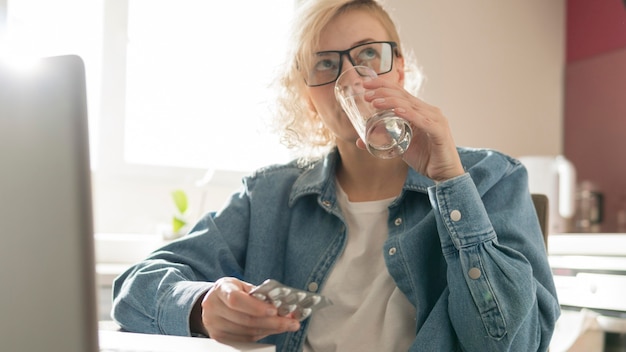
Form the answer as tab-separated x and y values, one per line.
47	300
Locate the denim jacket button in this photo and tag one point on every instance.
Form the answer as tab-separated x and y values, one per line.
313	287
326	203
392	250
398	222
455	215
474	273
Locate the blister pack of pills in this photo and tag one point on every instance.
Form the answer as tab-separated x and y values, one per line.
288	300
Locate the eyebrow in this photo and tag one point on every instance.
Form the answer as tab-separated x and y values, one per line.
362	41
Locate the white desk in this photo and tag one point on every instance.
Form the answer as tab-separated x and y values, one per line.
132	342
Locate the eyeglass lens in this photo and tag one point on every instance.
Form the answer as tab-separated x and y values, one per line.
325	66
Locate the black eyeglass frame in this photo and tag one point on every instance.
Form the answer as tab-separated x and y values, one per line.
342	53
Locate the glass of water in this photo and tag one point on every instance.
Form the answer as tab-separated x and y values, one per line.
385	134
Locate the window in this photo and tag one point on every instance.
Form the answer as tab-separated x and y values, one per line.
172	83
197	77
37	28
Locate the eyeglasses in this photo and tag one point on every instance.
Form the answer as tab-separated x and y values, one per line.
324	67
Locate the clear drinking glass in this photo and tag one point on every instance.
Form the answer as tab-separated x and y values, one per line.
385	134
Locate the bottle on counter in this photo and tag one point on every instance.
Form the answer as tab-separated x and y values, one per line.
589	208
621	215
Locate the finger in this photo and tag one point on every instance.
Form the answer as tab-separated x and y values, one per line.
235	295
378	83
228	308
361	144
226	331
248	328
252	306
270	323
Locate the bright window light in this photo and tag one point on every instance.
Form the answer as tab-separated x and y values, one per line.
40	28
197	82
195	75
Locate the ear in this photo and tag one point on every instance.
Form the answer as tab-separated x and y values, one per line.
399	67
310	105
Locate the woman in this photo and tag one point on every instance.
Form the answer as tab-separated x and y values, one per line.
439	250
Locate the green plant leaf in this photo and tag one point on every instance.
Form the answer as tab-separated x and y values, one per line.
177	224
180	199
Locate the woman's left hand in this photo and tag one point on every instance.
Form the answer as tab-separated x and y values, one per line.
432	151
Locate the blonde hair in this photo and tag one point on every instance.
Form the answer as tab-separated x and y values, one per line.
300	128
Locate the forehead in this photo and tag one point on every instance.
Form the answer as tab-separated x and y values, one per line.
349	29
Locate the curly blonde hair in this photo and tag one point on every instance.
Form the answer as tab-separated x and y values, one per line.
300	128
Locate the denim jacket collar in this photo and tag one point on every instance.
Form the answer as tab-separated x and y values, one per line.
320	179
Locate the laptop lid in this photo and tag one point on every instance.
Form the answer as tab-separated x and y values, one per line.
47	300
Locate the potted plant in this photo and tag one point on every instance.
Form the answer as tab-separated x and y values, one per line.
178	225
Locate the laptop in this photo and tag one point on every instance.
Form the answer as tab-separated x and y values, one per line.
47	269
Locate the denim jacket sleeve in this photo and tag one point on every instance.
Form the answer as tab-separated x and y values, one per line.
501	292
156	295
146	304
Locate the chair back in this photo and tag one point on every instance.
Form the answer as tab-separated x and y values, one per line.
541	207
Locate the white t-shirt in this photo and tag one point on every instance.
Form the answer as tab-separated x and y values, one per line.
369	312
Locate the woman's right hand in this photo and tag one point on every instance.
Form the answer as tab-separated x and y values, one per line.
432	151
229	313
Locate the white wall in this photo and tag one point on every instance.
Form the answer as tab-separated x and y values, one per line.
139	203
494	67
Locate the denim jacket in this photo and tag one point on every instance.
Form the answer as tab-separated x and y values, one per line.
467	252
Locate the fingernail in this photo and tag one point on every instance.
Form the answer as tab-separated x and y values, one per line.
271	312
379	100
400	110
294	326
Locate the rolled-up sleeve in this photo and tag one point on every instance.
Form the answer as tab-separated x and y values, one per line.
157	295
137	307
501	291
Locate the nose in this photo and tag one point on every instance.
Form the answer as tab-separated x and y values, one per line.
348	77
345	63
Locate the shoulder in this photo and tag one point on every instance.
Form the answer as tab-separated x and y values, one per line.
490	166
294	179
488	159
279	174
